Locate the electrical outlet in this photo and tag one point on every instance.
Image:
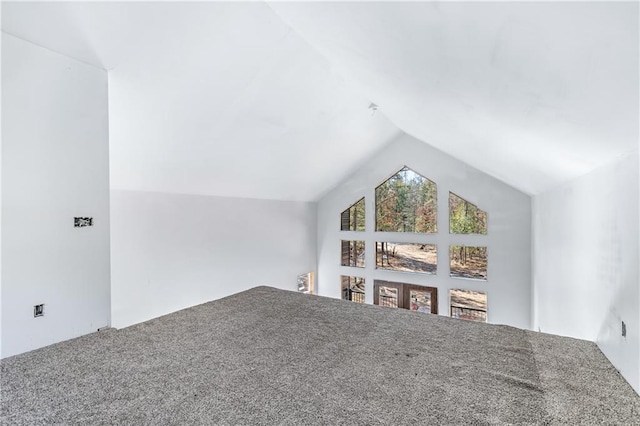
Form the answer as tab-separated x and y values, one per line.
624	329
38	310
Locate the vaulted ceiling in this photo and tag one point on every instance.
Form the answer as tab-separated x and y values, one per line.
270	100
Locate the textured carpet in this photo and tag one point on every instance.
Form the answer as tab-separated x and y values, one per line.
268	356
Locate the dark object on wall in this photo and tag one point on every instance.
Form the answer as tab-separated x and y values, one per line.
80	222
38	310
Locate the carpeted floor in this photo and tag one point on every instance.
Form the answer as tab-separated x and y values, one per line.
268	356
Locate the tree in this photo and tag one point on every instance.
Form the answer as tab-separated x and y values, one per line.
465	218
406	202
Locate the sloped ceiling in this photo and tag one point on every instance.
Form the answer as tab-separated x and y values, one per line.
270	100
212	98
533	93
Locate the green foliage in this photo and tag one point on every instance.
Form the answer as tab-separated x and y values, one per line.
406	202
465	218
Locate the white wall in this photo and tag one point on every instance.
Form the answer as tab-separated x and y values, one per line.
586	278
508	240
170	251
55	165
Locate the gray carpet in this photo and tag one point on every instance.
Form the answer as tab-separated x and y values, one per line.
268	356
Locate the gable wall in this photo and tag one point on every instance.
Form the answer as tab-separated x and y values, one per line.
508	240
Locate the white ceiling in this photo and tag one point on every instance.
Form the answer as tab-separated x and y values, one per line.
270	100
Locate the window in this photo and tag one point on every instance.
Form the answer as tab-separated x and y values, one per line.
465	218
420	300
406	202
387	295
468	262
352	288
405	296
407	257
306	283
470	305
352	219
352	253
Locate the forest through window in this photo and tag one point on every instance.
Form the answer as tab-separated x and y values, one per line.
352	253
352	219
407	257
406	202
464	217
468	262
